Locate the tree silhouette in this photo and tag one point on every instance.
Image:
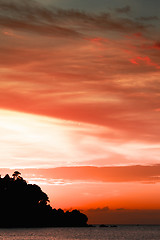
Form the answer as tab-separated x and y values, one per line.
16	174
26	205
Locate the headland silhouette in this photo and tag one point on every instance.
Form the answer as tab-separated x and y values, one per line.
26	205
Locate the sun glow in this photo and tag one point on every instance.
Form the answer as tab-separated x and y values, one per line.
39	141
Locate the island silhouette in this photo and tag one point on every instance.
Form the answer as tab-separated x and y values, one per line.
26	205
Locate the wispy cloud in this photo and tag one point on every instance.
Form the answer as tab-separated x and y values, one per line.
125	9
149	18
47	181
30	16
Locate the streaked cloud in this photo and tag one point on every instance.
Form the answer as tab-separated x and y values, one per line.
141	174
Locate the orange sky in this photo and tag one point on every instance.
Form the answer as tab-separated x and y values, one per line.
80	103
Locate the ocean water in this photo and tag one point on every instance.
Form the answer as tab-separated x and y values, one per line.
109	233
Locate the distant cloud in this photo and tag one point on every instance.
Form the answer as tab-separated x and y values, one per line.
104	209
149	18
126	9
123	216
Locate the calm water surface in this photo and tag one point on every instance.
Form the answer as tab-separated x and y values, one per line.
119	233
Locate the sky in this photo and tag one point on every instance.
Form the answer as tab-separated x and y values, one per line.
80	104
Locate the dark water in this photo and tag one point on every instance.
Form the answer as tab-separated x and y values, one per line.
117	233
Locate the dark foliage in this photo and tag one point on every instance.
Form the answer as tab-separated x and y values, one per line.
26	205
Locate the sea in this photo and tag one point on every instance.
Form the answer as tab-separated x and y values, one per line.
122	232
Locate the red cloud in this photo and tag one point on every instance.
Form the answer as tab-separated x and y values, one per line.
133	61
157	45
146	60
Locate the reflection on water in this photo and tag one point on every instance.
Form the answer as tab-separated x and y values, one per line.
95	233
